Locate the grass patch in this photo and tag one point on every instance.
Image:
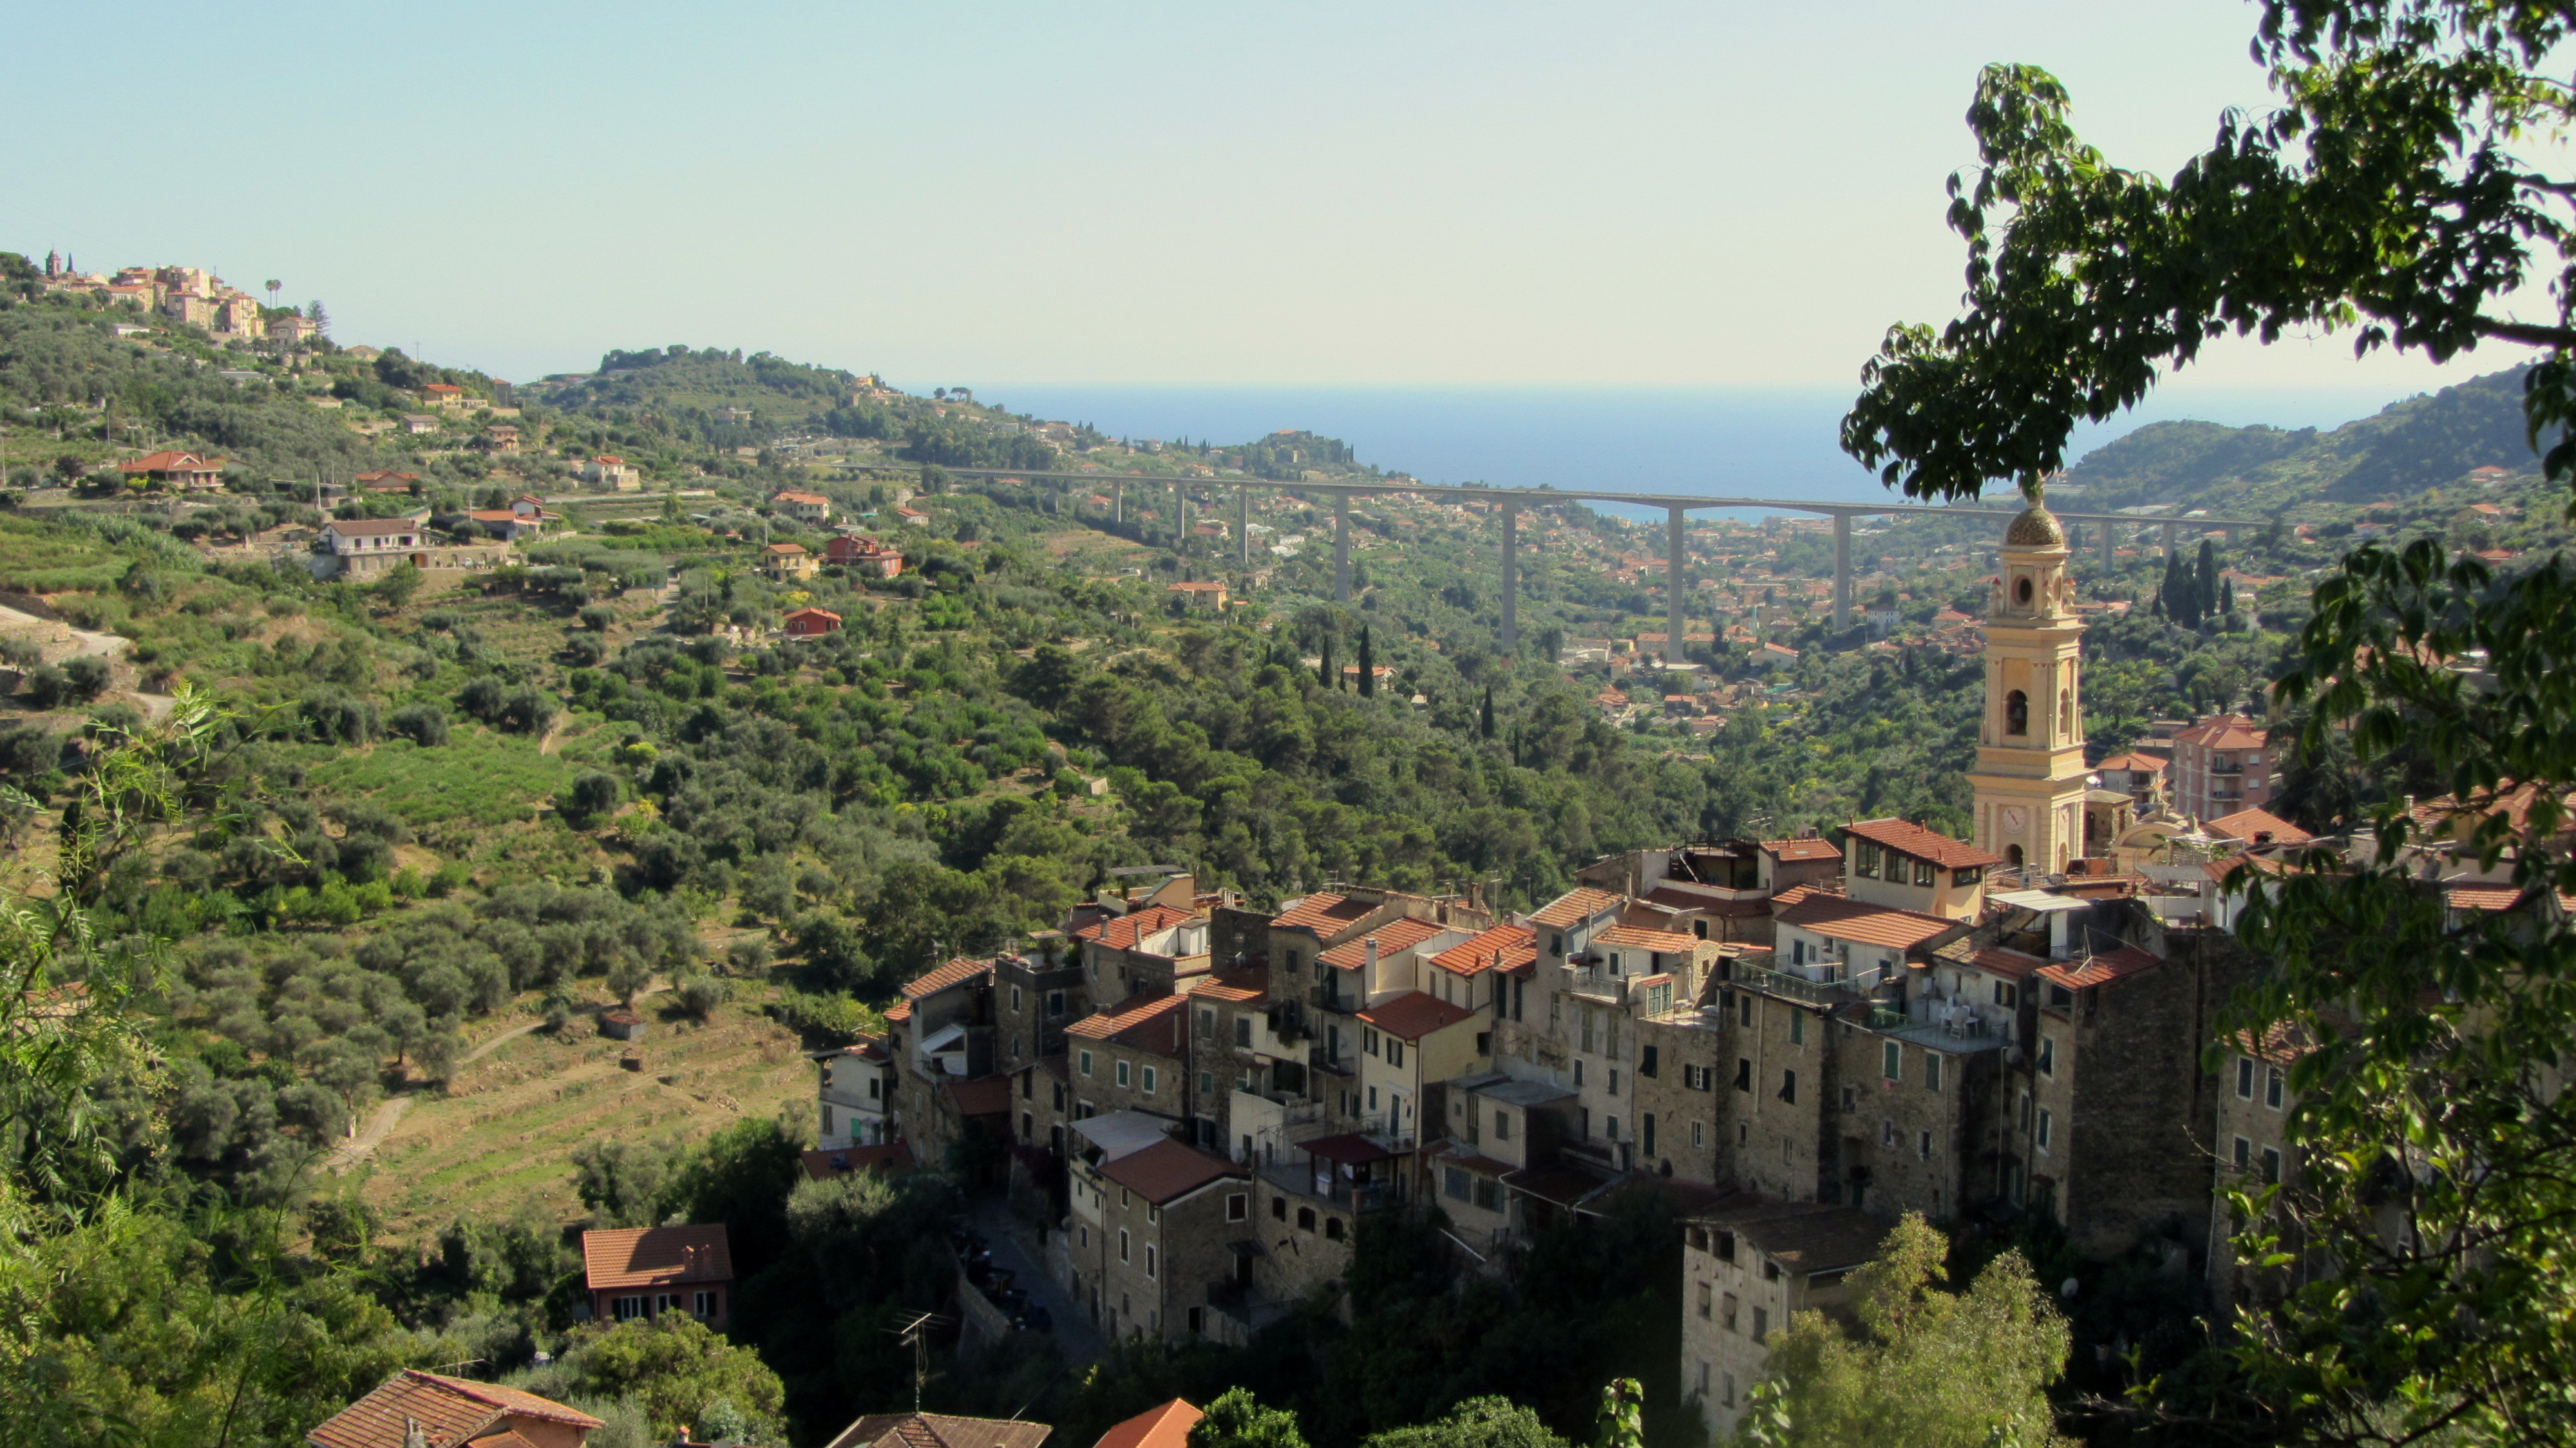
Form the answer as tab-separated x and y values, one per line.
479	776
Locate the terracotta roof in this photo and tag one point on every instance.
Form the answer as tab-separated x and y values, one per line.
1673	899
815	613
2224	731
2146	762
823	1166
449	1410
1166	1170
1165	1427
656	1256
955	972
1131	1015
1842	918
809	498
1414	1015
2004	962
1573	907
1500	948
1322	914
1123	931
1234	985
2492	898
372	527
2119	964
786	550
2246	824
982	1096
1922	844
169	462
1394	937
1664	942
939	1430
1803	849
899	1011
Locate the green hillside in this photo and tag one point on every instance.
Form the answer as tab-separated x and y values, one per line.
2408	448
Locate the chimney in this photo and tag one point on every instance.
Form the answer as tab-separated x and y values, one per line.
1370	972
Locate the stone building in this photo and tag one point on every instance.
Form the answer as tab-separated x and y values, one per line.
1748	1266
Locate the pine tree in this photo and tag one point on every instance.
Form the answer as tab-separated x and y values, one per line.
1485	720
1368	674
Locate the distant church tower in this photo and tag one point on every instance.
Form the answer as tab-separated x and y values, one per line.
2030	774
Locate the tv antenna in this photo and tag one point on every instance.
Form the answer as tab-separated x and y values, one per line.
916	1334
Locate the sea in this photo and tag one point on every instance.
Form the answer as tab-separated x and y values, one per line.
1713	442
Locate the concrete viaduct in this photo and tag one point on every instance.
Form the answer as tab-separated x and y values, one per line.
1511	501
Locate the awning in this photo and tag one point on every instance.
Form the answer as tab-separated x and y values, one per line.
2040	900
1349	1149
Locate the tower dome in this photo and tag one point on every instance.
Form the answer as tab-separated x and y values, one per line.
2036	527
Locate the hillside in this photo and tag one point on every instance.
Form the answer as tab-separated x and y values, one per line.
2405	450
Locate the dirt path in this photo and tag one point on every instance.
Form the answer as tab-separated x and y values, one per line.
388	1115
60	641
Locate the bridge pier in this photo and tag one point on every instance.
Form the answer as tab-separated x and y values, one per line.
1676	587
1118	503
1511	577
2110	541
1180	518
1842	571
1243	526
2172	536
1341	547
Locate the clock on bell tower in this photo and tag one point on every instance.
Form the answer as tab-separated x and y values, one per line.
2030	776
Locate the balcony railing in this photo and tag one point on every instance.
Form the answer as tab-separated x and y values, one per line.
1600	985
1799	988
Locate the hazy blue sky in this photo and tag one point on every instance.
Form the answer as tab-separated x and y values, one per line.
1600	194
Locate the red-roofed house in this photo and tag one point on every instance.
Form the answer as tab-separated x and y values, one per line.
1900	864
451	1413
867	555
2258	827
2139	776
1157	1234
612	473
2221	766
939	1033
855	1093
1167	1426
1407	1043
812	622
787	562
185	471
811	508
633	1272
1834	938
1149	949
939	1430
1134	1056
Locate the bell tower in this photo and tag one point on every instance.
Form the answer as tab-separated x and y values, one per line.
2030	777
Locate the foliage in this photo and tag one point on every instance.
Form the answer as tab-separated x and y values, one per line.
1238	1420
1488	1422
1928	1365
681	1370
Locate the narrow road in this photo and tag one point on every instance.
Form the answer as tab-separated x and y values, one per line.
1076	1340
381	1124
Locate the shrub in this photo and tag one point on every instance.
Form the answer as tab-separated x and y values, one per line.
699	994
591	796
46	687
88	676
598	617
422	724
585	650
335	716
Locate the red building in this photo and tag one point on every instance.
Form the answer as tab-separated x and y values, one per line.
865	554
647	1271
808	622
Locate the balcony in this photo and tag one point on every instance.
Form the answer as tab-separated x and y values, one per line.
1596	985
1799	988
1970	1031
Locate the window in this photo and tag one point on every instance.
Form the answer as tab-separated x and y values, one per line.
2004	993
1578	1072
2048	1055
1761	1324
1797	951
2017	703
1279	1209
2244	1078
1368	1040
1788	1154
2273	1084
1207	1025
2045	1122
1123	1199
1729	1399
1931	1070
1122	1071
1923	1145
1394	1051
1707	1300
1865	860
1614	1080
1207	1083
1502	1126
1646	1061
1122	1244
1699	1136
623	1308
1702	1389
1727	1317
1659	999
1789	1087
1696	1078
1887	1132
1243	1030
2025	1111
1489	1194
1015	997
1332	1229
1646	1133
1556	945
1744	1007
1149	1262
1083	1062
1453	1184
1891	1061
1797	1028
1055	1002
1485	1043
1372	1098
2271	1166
1743	1135
1969	876
703	1306
1743	1073
1237	1207
1851	1099
1198	1321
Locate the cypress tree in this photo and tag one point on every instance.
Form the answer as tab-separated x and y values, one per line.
1485	721
2208	599
1368	674
1324	666
2227	595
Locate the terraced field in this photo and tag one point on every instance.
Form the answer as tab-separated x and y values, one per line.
505	1131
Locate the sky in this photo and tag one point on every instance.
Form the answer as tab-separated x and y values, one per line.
1704	195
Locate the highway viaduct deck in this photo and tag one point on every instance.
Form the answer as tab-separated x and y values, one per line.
1512	500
